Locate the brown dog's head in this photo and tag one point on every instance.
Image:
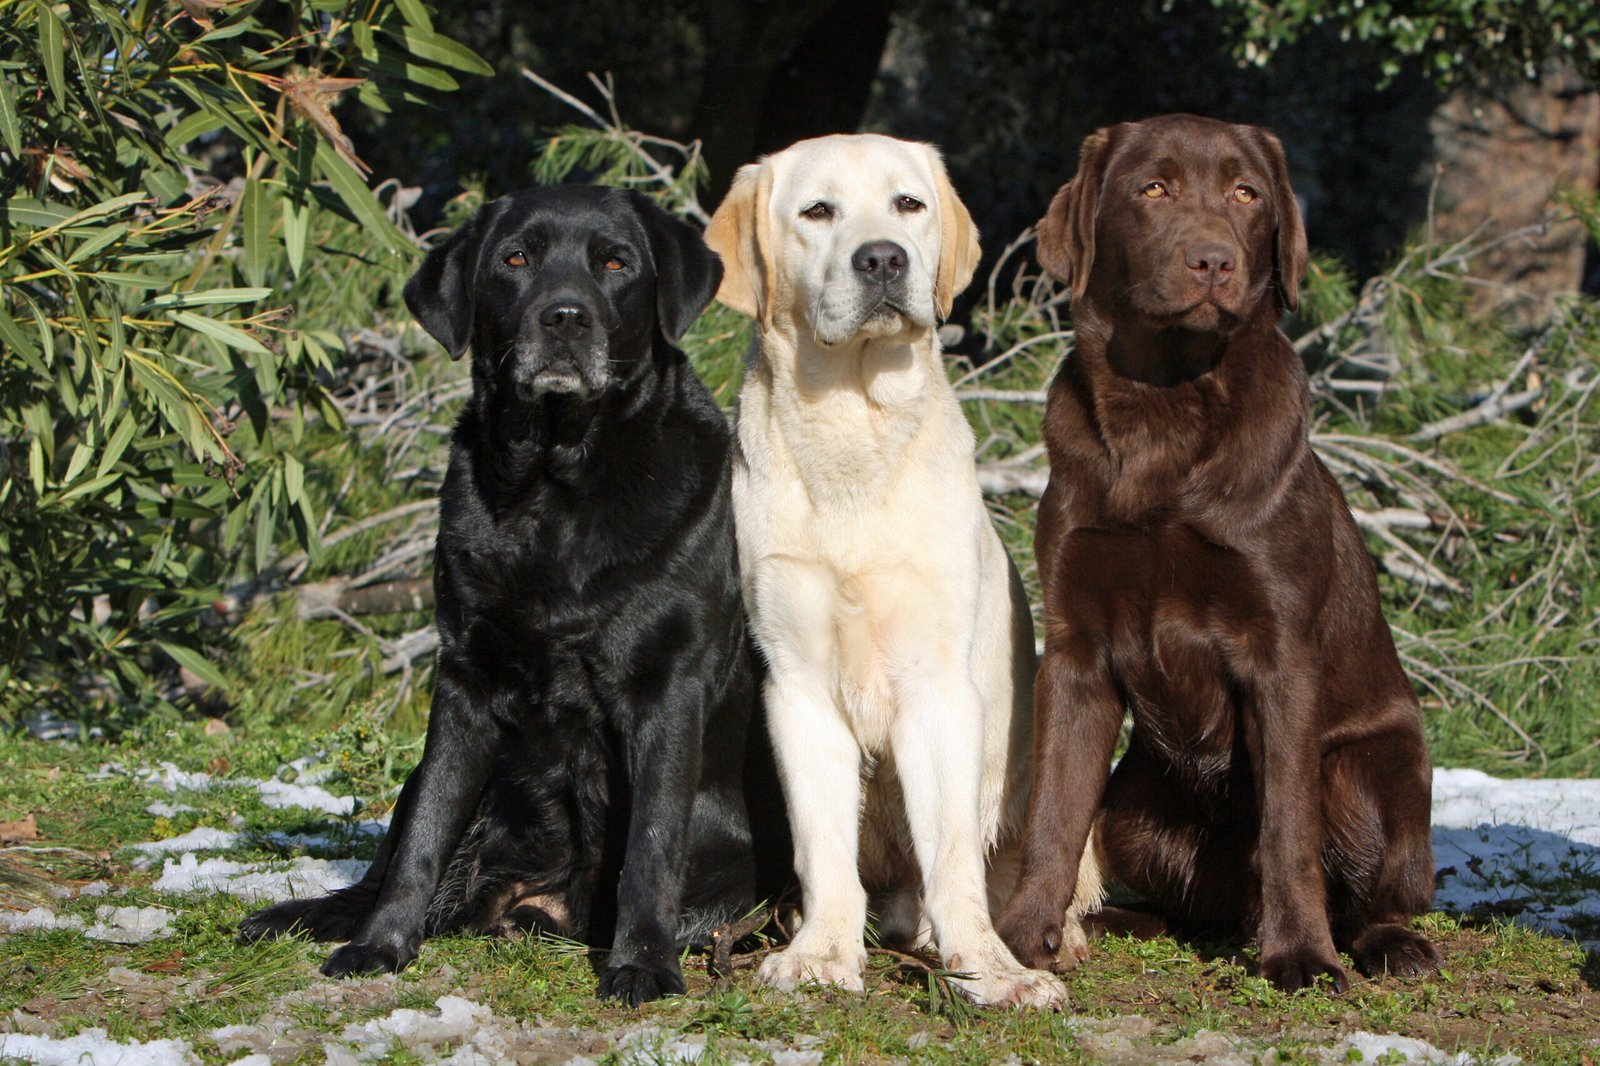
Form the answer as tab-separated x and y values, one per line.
1184	221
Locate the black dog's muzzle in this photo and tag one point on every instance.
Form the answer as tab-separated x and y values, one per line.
563	352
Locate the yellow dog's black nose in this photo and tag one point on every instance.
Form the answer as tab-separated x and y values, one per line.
882	261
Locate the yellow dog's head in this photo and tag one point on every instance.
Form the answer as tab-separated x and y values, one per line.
848	237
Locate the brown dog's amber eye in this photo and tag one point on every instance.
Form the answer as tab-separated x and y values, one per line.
516	259
818	212
1244	194
615	264
1155	190
908	204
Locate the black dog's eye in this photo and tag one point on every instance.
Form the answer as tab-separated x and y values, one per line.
1244	194
820	211
1154	190
516	259
908	204
614	263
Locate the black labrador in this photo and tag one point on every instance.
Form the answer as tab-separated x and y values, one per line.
594	729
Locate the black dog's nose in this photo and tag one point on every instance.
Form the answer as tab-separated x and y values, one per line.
882	261
567	317
1213	259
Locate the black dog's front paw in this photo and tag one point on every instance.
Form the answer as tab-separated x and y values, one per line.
357	958
634	985
280	919
322	918
1299	968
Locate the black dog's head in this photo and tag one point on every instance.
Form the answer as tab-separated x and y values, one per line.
563	291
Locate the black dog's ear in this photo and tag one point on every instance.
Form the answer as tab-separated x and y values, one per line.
1289	238
439	294
687	272
1066	232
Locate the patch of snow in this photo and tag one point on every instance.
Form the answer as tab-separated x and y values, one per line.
167	776
200	838
481	1036
1374	1046
1514	846
164	809
93	1048
130	925
269	882
312	797
95	888
39	919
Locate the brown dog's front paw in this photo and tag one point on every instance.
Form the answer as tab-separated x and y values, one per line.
1299	968
1036	944
1394	949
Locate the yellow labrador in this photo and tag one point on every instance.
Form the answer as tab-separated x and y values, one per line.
898	634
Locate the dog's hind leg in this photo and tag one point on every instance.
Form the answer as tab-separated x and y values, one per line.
1167	846
1378	850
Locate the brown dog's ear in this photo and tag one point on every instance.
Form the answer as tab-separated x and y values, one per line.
1066	232
1289	234
959	250
738	234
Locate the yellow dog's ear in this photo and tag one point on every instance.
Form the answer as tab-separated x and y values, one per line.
738	233
958	240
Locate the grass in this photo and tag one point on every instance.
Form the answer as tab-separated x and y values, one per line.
1504	989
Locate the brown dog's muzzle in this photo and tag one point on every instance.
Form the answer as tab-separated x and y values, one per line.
1211	263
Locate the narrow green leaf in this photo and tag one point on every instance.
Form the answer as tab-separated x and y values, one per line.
98	242
296	226
415	12
294	478
36	465
436	48
18	341
194	662
84	488
232	336
361	33
26	211
257	231
195	125
10	128
117	443
81	454
359	199
206	297
52	46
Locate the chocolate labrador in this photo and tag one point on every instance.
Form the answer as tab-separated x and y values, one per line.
1202	571
584	770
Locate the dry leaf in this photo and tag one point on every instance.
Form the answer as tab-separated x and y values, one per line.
21	831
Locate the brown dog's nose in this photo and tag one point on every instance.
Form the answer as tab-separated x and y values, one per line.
1212	259
882	261
566	317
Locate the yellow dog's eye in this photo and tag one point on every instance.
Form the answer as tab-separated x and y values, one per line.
615	264
908	204
818	212
516	259
1155	190
1244	194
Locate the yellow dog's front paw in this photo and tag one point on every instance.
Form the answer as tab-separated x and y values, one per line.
1014	988
789	970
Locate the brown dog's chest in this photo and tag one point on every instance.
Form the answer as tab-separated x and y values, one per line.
1186	623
